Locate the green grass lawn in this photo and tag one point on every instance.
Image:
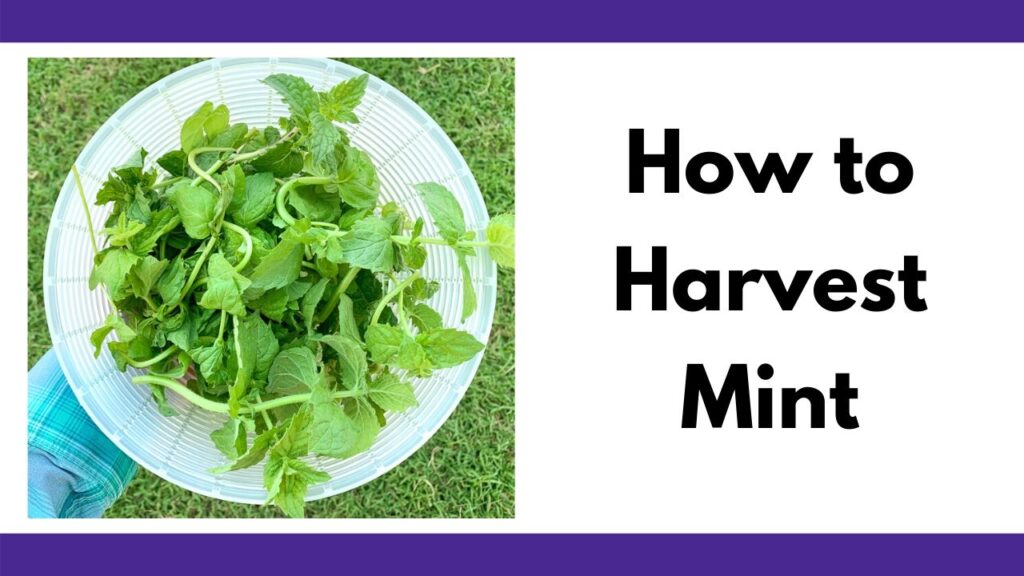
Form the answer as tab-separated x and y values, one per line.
468	468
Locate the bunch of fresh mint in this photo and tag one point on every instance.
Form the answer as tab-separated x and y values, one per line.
262	279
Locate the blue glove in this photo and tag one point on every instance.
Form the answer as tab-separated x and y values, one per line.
74	471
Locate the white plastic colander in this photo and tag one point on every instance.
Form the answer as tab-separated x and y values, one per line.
407	147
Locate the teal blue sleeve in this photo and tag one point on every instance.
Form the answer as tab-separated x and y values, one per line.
74	470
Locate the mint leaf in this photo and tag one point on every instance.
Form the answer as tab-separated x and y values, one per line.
448	347
297	93
332	432
272	304
255	202
294	443
293	370
172	281
351	359
383	342
117	191
232	137
284	476
192	135
210	360
245	360
315	203
412	357
444	209
322	140
131	171
224	287
424	317
280	267
264	343
347	319
216	122
307	472
290	493
340	103
391	393
421	289
111	269
175	162
181	331
273	473
160	223
358	183
290	486
121	233
260	445
115	324
368	245
230	438
310	300
145	275
501	236
196	206
281	160
414	256
364	418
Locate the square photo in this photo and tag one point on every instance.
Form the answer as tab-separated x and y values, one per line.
271	287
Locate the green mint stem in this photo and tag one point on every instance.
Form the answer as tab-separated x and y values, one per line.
203	175
297	399
336	297
401	309
159	357
469	243
406	240
85	204
182	391
195	270
222	408
282	194
391	295
168	182
257	153
152	306
223	323
266	418
221	161
248	244
88	222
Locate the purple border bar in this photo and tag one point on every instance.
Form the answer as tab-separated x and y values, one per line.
519	554
521	21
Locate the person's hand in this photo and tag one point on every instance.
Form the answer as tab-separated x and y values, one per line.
74	470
